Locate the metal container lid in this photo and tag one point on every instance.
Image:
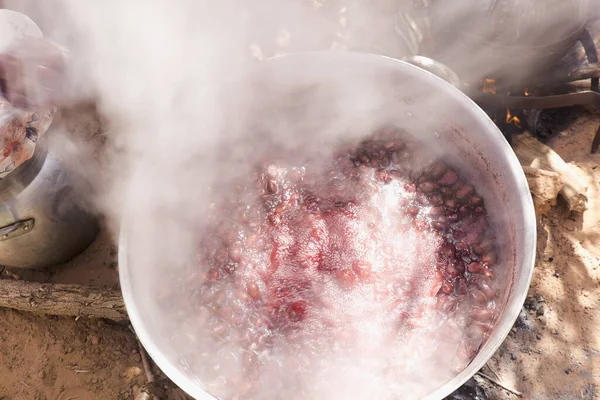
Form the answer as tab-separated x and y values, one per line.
20	129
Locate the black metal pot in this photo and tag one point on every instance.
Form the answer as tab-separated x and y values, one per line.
508	40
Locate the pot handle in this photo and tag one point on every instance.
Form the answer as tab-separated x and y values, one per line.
435	67
16	229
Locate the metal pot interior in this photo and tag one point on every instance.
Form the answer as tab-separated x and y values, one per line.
350	93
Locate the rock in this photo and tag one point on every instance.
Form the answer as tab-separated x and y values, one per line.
544	186
540	310
132	373
530	304
469	391
151	391
143	396
524	321
95	340
540	299
591	391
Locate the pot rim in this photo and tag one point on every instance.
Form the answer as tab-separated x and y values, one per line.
517	294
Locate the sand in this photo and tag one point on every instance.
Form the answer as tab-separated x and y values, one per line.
554	352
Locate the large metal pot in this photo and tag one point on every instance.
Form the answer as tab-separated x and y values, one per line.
423	104
505	39
41	220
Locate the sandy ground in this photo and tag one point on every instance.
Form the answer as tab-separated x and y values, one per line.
554	350
55	358
58	358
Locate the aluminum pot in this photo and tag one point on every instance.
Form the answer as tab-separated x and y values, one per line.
42	222
429	108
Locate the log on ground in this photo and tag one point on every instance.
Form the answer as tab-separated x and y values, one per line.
62	300
544	186
533	153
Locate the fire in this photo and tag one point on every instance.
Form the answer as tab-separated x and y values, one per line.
512	119
489	86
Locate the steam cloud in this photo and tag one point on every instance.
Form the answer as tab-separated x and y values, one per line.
155	69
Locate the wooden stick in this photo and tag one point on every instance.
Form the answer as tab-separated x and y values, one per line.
497	383
145	362
533	153
63	300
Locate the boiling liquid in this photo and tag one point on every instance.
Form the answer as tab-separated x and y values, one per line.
373	279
